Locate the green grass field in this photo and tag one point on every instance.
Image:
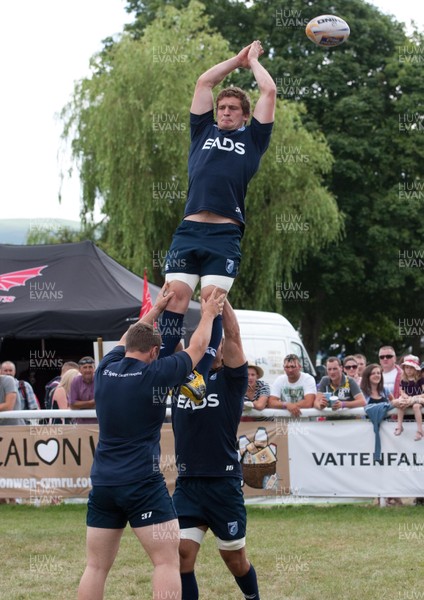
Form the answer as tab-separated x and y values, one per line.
330	552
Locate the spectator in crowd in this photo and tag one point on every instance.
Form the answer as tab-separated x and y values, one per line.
411	395
60	397
27	398
208	491
374	391
350	368
344	390
420	501
9	399
53	383
294	390
258	391
131	389
361	361
392	373
81	395
372	385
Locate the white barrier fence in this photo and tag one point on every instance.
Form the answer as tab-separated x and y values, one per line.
306	457
259	414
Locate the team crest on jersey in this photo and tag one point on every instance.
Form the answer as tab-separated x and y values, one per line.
229	267
232	527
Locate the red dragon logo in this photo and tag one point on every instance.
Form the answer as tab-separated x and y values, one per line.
15	279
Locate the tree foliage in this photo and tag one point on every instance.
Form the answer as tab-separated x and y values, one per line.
290	214
63	235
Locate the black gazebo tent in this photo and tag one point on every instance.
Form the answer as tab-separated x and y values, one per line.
69	291
56	300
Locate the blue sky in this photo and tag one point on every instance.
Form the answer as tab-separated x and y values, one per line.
45	47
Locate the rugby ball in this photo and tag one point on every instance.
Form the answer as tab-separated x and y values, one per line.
327	31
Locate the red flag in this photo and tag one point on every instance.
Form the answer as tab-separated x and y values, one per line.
146	303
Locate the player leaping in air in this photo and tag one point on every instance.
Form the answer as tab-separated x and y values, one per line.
224	155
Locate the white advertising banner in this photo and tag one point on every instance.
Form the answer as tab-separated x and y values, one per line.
336	458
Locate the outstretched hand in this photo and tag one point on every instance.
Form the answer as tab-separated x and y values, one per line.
242	57
251	52
163	298
255	51
215	303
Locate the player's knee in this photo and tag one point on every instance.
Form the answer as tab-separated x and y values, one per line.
207	291
236	562
182	293
188	554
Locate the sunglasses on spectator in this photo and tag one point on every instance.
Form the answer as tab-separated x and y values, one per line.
386	356
351	366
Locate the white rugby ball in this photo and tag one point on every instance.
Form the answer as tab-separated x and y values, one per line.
327	31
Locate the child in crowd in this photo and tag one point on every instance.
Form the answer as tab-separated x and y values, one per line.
412	394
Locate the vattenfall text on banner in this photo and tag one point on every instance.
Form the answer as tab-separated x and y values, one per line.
336	458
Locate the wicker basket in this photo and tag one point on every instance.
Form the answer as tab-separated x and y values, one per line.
253	475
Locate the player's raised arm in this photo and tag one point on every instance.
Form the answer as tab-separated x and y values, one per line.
265	107
203	98
154	313
211	308
233	354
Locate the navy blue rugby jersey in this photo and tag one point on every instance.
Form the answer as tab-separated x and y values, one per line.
206	435
130	404
221	164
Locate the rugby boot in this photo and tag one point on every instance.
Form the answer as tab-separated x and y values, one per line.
194	388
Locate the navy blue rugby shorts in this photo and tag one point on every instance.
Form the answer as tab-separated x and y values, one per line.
205	249
216	502
140	504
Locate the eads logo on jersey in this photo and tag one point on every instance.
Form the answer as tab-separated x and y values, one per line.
210	401
224	144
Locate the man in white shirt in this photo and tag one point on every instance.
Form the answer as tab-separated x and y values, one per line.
392	374
294	390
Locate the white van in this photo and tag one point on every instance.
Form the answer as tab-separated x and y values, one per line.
267	338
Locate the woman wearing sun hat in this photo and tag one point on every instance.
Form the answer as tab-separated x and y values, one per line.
258	391
411	395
